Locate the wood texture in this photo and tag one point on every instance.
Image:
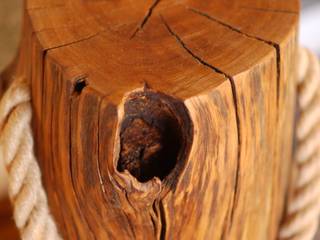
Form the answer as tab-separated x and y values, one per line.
7	227
230	67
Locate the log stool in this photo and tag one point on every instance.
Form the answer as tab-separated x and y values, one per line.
163	119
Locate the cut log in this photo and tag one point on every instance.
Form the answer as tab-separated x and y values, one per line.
163	119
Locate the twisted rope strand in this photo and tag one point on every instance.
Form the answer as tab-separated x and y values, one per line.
31	212
303	209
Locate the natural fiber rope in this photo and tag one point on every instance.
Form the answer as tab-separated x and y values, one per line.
31	212
303	209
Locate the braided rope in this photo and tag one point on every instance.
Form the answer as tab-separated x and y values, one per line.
31	212
303	210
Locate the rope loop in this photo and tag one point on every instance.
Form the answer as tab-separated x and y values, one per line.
303	209
31	211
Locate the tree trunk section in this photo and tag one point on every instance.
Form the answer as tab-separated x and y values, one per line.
162	119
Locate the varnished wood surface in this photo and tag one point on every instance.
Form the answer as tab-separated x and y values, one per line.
8	231
230	63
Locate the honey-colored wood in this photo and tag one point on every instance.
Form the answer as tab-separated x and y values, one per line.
218	77
7	227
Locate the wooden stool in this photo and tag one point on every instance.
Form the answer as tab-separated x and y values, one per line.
162	119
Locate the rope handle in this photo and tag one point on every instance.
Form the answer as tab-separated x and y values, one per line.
303	209
31	211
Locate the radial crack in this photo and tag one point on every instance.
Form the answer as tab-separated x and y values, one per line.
49	49
269	10
183	45
146	18
234	96
232	28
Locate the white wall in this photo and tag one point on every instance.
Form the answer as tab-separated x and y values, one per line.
310	25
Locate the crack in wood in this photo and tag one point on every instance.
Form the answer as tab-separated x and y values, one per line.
48	49
269	10
234	96
183	45
238	167
146	18
235	29
163	221
156	218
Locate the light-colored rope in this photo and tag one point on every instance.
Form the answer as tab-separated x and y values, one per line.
303	209
31	212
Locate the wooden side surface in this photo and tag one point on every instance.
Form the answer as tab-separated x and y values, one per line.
235	78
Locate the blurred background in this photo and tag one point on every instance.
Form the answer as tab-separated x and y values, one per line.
10	20
10	17
310	25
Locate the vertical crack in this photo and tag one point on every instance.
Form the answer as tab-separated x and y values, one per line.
163	221
270	43
237	178
146	18
235	101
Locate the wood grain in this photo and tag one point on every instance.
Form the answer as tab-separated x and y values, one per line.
8	229
229	64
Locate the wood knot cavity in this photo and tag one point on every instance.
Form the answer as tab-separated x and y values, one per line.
79	85
155	135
